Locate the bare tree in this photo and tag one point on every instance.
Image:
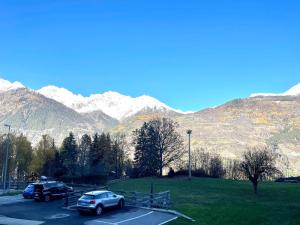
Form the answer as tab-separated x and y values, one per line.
257	163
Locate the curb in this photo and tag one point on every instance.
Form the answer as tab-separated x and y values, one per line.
176	213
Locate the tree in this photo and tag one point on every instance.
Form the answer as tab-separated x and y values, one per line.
69	155
119	150
258	163
84	149
100	155
23	156
146	157
44	152
157	145
216	169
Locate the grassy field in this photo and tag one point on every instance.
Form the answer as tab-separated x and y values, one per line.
225	202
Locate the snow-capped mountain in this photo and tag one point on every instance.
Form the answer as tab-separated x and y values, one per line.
5	85
294	91
111	103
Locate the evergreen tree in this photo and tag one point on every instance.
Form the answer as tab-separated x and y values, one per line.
146	156
69	154
96	155
84	149
157	145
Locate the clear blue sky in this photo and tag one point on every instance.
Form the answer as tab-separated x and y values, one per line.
188	54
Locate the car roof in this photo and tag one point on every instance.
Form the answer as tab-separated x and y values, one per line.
47	182
96	192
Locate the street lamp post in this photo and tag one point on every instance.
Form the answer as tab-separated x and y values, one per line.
6	158
189	132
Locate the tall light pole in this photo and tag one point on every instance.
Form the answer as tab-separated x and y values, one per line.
6	158
189	132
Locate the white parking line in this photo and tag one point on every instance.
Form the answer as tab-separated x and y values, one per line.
123	221
168	221
134	218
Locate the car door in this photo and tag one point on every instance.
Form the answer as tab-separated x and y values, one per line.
104	199
112	199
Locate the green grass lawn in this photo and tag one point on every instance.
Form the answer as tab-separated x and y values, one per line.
225	202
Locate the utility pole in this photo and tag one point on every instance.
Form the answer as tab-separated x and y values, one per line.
6	158
189	132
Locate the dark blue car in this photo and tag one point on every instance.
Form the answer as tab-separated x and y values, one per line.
29	191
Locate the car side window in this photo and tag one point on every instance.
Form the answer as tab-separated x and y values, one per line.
104	195
110	195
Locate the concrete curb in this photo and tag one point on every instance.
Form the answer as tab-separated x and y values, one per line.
176	213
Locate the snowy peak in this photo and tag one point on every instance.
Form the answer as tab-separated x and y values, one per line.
5	85
294	91
62	95
111	103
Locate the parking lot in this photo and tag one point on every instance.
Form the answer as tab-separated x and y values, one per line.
28	212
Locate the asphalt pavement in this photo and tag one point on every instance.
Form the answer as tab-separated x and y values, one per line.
29	212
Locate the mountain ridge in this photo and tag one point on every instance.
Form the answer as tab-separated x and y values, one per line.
228	129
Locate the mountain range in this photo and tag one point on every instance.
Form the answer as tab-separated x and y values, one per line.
228	129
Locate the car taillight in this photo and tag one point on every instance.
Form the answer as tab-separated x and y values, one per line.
92	202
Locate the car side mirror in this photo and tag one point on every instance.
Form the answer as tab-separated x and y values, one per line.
114	196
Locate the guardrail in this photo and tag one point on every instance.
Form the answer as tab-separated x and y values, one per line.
72	197
160	200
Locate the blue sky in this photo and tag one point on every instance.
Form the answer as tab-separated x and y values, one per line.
188	54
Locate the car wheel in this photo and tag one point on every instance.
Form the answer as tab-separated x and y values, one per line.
99	210
47	198
81	212
121	204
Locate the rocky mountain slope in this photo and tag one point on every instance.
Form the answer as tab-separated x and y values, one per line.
228	129
233	127
33	115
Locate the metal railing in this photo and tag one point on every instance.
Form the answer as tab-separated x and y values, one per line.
153	200
72	197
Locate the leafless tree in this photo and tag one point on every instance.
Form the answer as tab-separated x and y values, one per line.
258	162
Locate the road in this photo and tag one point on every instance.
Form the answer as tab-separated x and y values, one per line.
29	212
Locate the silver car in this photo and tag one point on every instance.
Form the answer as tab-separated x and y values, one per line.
96	201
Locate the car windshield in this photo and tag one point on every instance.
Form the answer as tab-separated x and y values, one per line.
88	197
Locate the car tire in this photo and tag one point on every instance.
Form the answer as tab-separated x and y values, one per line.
121	204
81	212
47	198
98	210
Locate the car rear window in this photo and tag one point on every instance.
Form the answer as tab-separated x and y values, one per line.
88	197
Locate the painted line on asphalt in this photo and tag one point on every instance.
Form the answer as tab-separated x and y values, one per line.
134	218
123	221
175	218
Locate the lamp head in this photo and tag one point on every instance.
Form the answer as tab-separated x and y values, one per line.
189	131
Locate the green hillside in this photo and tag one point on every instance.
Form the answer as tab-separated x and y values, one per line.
226	202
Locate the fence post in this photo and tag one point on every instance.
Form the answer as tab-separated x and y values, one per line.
67	200
151	195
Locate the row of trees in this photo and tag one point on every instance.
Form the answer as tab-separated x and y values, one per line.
157	146
99	155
